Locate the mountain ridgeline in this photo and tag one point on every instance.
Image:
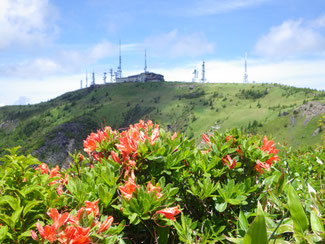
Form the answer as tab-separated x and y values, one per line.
50	130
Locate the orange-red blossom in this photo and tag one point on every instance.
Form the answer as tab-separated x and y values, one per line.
231	163
169	213
128	188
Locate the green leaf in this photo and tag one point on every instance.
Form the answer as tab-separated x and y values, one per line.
316	223
163	234
133	217
16	214
257	230
299	218
29	206
3	233
221	206
243	223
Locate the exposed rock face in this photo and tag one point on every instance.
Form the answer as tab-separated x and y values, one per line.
316	132
8	125
59	143
283	113
310	110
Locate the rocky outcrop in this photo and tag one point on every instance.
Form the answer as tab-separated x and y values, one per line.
59	143
309	110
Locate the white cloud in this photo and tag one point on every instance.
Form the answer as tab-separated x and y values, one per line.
63	62
174	44
36	68
299	73
102	50
22	100
293	38
26	22
211	7
36	90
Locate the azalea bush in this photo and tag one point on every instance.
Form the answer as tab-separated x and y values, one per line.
146	185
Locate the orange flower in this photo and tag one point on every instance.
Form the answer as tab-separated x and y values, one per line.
260	166
231	163
44	168
50	233
75	235
174	136
115	157
58	219
268	146
128	189
107	223
169	213
151	188
206	138
40	229
75	219
229	138
154	135
92	207
34	235
81	157
55	172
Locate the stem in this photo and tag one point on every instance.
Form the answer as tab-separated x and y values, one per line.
285	215
152	235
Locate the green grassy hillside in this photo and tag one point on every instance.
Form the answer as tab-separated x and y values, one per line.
51	129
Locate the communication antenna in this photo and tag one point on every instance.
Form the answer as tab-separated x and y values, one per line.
245	75
86	79
119	68
116	76
104	78
195	75
203	72
145	61
80	84
93	82
112	74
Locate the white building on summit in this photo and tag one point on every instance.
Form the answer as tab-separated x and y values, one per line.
146	76
143	77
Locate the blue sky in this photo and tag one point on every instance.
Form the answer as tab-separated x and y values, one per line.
47	46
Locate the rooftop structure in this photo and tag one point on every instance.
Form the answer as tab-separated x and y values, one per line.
143	77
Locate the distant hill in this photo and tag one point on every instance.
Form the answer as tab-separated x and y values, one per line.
51	129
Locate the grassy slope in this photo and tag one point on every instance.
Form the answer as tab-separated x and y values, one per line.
166	103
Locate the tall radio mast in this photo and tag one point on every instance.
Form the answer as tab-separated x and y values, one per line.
86	79
119	68
104	78
93	82
111	73
203	72
145	61
245	75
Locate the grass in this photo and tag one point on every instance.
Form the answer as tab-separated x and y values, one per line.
189	107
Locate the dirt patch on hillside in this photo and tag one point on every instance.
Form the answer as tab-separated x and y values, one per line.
310	110
8	125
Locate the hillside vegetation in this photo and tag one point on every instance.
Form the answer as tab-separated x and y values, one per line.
52	129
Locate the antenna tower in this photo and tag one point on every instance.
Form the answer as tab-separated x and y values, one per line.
104	78
112	74
203	72
145	61
119	68
245	75
93	83
80	84
195	75
86	79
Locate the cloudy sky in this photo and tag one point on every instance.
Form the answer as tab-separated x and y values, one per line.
46	46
